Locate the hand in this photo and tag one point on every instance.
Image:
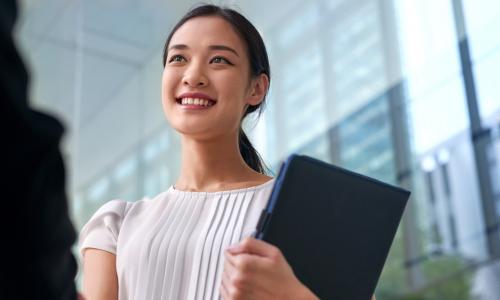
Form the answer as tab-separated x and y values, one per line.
256	270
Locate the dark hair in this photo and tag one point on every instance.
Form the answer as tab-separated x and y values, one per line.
259	64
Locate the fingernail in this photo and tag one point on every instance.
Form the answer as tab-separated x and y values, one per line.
232	248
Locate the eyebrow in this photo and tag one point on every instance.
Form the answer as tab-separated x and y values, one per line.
211	47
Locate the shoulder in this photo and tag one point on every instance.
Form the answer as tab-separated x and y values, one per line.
114	212
264	189
267	184
260	182
120	209
103	228
116	207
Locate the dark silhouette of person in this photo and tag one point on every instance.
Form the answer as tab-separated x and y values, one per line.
35	229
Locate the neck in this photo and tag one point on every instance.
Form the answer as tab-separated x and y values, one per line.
210	165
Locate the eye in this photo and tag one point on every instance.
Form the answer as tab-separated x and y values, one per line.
176	58
220	60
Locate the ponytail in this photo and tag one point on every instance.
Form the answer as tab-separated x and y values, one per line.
249	154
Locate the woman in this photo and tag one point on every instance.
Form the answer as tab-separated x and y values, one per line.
216	72
176	246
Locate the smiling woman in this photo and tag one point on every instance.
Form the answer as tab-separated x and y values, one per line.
216	72
177	245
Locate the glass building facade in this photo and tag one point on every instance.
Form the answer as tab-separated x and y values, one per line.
404	91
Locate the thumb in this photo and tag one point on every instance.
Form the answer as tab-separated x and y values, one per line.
253	246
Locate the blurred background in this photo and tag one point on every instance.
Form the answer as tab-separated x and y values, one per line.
404	91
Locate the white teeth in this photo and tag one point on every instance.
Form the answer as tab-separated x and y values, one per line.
195	101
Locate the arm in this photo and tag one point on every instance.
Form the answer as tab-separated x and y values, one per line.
100	281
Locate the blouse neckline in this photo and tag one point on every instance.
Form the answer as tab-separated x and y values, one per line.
173	190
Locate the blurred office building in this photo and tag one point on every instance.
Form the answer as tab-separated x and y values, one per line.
404	91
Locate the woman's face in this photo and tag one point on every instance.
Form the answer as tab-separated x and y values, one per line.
206	82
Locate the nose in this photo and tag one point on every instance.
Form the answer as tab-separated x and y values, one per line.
195	76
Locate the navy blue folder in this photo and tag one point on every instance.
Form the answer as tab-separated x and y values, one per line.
335	227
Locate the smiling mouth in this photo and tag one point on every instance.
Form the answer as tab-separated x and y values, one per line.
195	102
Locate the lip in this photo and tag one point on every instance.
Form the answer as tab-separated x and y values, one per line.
195	95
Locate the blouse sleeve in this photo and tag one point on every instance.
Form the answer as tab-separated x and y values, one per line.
102	230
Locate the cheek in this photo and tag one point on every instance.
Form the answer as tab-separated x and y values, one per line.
168	83
234	87
167	91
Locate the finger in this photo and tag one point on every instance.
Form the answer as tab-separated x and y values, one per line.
246	270
244	262
229	263
253	246
226	278
223	289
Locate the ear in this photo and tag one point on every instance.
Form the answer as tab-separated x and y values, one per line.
258	90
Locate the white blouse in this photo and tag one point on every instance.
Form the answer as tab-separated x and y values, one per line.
172	246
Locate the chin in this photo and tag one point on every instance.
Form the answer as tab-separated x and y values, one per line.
191	128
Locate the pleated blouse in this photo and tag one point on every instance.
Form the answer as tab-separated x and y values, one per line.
172	246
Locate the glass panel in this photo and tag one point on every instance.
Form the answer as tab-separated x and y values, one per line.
483	25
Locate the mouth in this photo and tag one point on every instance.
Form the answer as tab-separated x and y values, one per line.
186	101
195	100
